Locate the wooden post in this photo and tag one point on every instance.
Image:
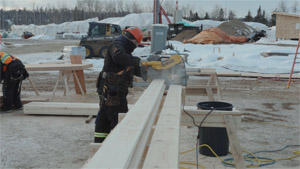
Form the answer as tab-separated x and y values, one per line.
234	142
76	59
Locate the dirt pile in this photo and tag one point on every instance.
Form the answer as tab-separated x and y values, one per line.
236	28
184	35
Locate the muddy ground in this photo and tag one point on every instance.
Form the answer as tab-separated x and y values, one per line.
270	121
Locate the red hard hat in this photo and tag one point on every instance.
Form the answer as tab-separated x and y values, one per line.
136	33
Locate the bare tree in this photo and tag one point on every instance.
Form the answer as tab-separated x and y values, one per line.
215	12
33	4
98	7
169	6
231	15
135	7
282	6
186	10
127	7
80	4
295	7
148	8
120	6
111	7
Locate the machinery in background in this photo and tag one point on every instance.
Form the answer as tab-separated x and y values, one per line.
27	35
100	36
176	28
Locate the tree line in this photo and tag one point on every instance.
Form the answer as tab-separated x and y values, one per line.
85	9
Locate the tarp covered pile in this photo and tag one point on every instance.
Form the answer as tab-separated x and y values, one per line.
215	35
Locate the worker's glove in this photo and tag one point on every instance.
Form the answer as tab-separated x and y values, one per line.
136	61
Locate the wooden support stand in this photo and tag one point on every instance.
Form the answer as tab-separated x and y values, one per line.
228	119
212	87
66	75
65	71
80	89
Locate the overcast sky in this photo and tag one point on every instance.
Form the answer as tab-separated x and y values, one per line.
240	7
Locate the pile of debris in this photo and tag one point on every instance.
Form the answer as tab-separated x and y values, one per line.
236	28
234	31
184	35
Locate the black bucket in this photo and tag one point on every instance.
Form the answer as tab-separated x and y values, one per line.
215	137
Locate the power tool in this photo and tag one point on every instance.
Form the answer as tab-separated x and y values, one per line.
168	67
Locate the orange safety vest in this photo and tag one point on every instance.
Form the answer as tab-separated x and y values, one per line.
6	59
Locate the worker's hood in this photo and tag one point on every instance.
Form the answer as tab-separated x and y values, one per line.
126	43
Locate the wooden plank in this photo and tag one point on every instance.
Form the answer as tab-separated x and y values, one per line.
33	86
76	59
210	121
164	147
229	74
53	67
63	108
215	119
125	145
56	84
195	110
198	91
89	119
251	75
201	70
210	94
234	142
27	100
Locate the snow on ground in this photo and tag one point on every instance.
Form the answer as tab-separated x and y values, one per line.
41	36
232	57
224	57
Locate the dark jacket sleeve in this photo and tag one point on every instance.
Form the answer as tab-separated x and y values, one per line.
120	57
137	71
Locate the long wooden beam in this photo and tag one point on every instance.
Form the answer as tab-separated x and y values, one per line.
63	108
53	67
164	147
125	145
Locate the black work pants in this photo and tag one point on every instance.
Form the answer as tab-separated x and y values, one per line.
107	118
11	93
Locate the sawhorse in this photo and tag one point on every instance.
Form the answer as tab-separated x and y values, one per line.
218	118
212	86
66	76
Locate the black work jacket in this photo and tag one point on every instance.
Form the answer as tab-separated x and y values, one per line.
119	57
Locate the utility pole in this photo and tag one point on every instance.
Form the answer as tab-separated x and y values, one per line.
156	11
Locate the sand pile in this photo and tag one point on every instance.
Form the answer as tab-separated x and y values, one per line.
184	35
236	28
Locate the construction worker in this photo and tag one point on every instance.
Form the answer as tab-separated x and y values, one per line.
12	73
114	80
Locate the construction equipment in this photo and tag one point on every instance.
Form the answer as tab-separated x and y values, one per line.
27	35
100	36
168	67
177	28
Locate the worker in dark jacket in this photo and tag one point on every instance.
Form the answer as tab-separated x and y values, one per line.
114	79
13	72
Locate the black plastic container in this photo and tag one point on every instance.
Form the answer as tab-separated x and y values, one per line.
215	137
